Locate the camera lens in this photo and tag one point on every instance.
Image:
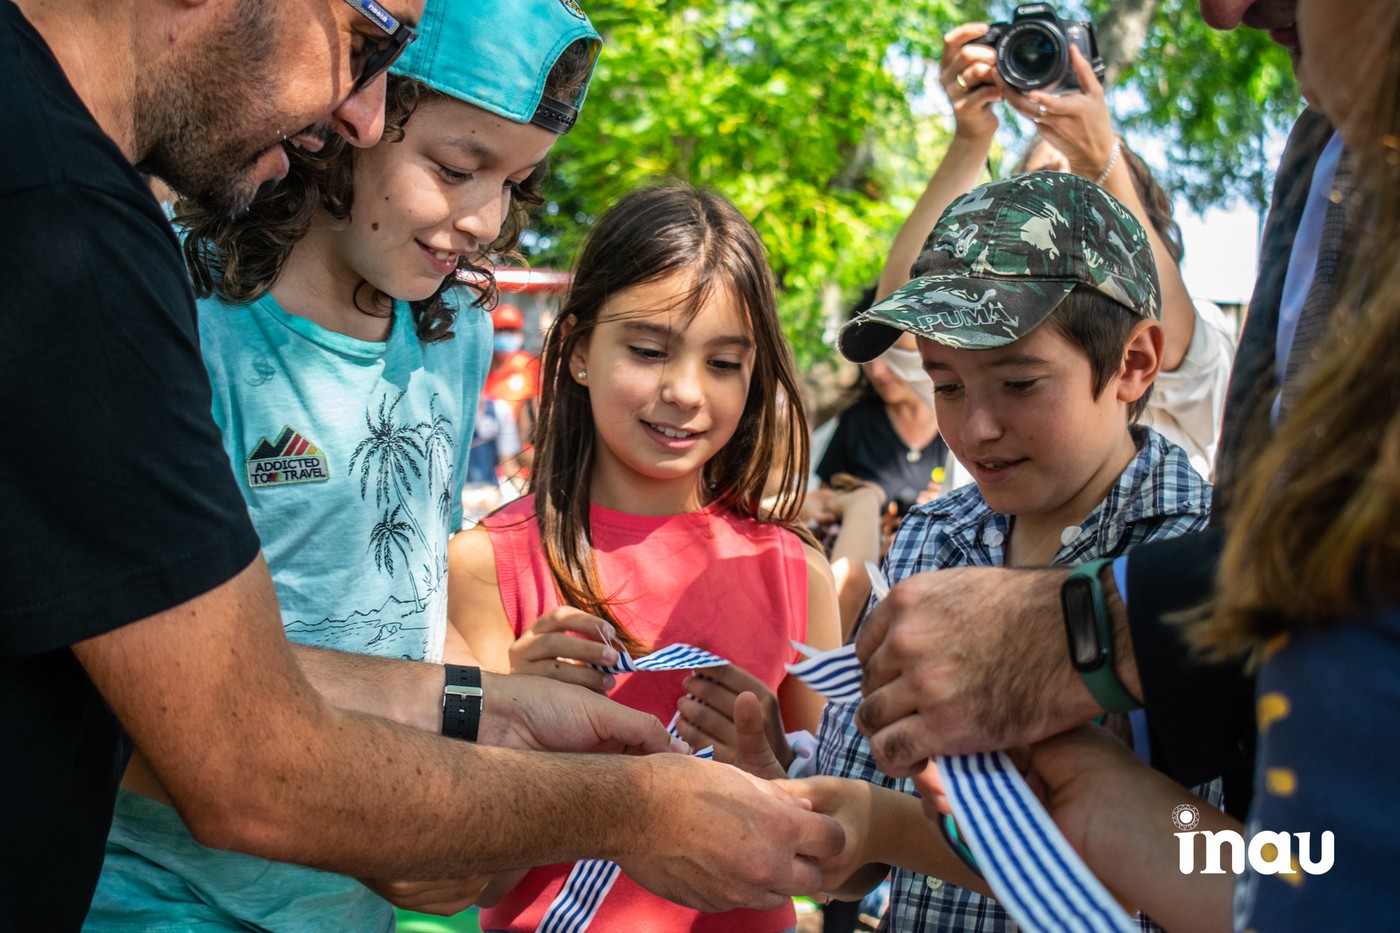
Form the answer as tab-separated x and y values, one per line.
1031	58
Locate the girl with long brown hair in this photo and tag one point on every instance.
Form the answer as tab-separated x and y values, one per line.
642	522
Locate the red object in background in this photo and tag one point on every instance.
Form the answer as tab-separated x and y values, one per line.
507	317
514	378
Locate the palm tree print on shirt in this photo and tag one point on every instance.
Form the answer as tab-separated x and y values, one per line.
391	455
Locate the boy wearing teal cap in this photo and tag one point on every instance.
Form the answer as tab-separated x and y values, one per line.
346	370
1035	303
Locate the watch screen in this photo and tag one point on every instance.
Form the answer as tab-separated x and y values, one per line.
1084	647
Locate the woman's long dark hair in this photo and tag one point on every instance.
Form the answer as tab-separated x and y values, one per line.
650	235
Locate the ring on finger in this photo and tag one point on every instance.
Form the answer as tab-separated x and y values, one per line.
1043	111
961	83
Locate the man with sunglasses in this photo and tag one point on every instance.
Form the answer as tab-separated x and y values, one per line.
132	597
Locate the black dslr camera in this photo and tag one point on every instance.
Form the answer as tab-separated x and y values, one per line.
1033	49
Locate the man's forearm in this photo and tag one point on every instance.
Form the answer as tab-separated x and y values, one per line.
496	809
407	692
256	760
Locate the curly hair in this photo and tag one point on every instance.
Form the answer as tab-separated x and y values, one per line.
240	258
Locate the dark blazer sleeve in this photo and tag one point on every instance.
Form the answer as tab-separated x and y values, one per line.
1200	715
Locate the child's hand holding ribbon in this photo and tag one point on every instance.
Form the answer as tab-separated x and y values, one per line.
569	645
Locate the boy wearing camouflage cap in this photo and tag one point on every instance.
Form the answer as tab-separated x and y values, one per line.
1035	304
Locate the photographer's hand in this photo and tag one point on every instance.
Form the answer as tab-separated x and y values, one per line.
1079	124
968	74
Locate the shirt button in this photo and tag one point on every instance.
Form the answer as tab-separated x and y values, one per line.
933	884
1068	535
992	538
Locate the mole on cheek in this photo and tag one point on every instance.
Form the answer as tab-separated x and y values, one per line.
374	226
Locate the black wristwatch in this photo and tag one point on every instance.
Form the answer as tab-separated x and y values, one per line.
461	702
1090	633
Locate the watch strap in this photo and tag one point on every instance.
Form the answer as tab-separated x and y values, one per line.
461	702
1102	681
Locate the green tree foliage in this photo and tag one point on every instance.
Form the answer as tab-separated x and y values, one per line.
820	120
1216	98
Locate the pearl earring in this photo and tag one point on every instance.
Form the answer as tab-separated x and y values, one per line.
583	374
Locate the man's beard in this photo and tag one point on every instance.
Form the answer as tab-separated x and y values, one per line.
202	131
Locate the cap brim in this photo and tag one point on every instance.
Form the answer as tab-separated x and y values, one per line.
954	310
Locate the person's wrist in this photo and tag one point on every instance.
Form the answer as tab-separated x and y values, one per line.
1095	636
498	717
972	137
1090	165
1069	702
462	702
1111	162
636	828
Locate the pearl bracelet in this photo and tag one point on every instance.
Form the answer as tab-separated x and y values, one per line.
1112	161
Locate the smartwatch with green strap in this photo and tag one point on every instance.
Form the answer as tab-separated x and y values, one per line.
1090	633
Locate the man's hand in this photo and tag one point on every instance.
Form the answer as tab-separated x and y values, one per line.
966	660
539	714
714	838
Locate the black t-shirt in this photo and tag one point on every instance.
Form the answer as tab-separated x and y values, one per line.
117	499
866	445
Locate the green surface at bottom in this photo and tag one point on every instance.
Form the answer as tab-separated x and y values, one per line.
465	922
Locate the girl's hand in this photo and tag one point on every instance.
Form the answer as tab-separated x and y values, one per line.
752	751
1078	125
968	74
707	714
562	644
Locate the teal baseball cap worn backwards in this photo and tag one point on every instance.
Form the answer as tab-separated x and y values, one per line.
1002	258
497	54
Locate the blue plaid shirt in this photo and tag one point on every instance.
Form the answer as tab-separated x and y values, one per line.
1159	495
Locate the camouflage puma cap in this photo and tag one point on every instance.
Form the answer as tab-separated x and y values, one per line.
1002	258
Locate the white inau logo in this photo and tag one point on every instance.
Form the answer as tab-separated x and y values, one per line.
1269	853
286	461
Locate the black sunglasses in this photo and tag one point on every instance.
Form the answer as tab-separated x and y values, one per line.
378	56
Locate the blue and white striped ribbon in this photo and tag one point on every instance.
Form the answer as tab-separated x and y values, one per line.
677	657
1037	877
834	674
1034	873
590	880
577	902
